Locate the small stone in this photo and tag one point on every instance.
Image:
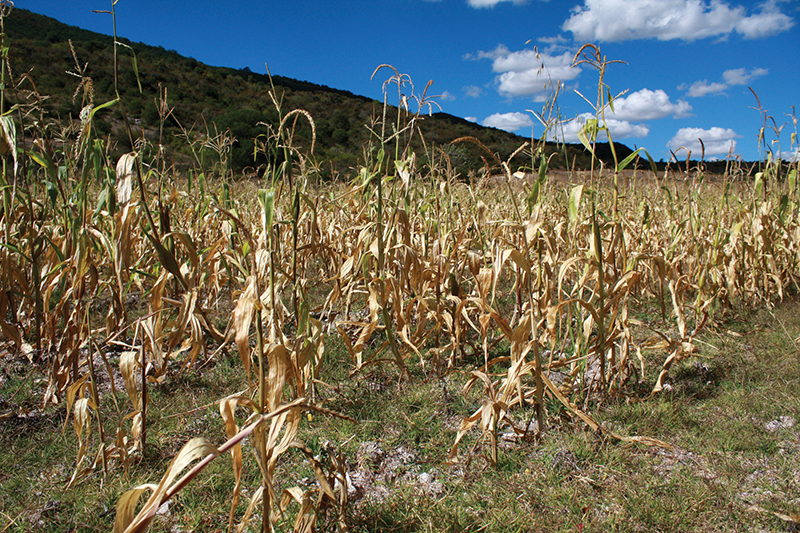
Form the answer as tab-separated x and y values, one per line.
783	422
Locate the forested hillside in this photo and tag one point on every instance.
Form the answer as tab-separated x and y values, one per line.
211	100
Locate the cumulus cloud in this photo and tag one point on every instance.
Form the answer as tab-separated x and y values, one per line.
558	39
620	129
702	88
499	50
688	20
648	105
740	76
473	91
528	72
717	141
791	155
492	3
736	76
508	121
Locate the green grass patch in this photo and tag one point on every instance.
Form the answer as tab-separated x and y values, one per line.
730	415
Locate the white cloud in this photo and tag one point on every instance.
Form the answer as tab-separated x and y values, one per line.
740	76
620	129
717	141
791	155
688	20
492	3
558	39
508	121
529	72
702	88
473	91
769	21
521	61
447	96
736	76
471	119
498	51
648	105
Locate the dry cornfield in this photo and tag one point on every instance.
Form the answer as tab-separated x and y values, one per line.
538	295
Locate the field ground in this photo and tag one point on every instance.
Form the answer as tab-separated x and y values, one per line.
731	416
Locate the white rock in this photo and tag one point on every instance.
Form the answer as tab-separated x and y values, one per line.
783	422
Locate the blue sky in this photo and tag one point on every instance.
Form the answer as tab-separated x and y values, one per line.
688	63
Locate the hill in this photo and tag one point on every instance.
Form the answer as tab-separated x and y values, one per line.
207	99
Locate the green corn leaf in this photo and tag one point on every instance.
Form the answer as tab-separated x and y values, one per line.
103	106
267	199
302	318
15	249
533	197
588	133
653	167
364	177
135	64
782	208
52	192
669	194
166	258
584	138
102	201
46	162
627	160
543	169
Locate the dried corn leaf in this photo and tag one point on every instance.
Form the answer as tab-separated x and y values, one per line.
793	519
128	363
242	318
196	448
227	409
594	425
255	499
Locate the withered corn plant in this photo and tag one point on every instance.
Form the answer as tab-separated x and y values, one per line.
288	348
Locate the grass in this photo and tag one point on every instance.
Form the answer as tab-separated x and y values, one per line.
727	415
